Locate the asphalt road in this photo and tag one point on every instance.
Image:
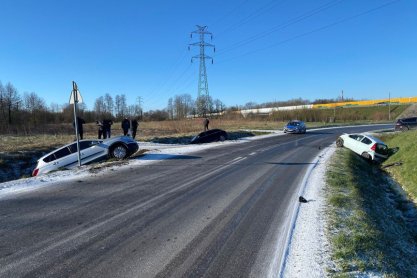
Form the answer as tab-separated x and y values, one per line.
221	212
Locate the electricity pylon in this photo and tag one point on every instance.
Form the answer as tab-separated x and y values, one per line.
203	91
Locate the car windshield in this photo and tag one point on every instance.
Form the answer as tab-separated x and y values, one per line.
294	123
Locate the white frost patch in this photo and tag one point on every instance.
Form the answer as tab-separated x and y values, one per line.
309	252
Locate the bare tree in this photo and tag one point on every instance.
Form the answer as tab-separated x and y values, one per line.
182	105
2	102
109	104
99	106
32	102
218	106
170	108
12	100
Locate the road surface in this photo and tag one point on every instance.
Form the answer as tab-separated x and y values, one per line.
220	212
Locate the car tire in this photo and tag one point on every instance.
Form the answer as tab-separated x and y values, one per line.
222	138
339	142
118	152
367	156
405	128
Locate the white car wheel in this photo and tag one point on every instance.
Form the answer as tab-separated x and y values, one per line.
119	152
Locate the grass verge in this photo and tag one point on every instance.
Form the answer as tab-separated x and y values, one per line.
372	226
406	173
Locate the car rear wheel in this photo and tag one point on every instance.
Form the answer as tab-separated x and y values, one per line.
367	156
119	152
339	142
222	138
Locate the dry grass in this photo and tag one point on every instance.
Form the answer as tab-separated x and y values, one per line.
64	133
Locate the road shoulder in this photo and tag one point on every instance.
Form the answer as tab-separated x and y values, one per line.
309	250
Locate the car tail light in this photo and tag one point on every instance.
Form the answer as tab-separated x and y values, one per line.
35	172
373	147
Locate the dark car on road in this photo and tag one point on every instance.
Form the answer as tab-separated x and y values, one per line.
405	124
295	126
212	135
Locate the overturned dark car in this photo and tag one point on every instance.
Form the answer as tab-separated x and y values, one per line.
212	135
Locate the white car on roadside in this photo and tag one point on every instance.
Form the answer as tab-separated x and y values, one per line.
365	145
118	147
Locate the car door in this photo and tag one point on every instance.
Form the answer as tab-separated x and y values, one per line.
353	141
91	150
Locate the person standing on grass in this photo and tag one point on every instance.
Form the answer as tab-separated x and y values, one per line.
125	126
206	124
135	125
100	129
107	128
80	123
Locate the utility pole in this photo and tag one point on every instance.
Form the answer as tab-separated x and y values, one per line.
203	92
139	101
389	106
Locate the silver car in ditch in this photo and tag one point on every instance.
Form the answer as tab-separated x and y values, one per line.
119	147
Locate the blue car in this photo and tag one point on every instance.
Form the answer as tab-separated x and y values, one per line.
295	126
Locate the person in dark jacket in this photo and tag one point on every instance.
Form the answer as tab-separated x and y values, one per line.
135	125
206	124
100	129
125	126
107	128
80	123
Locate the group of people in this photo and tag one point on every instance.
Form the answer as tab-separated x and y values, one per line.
130	124
104	127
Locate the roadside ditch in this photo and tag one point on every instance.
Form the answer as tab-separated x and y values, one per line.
372	223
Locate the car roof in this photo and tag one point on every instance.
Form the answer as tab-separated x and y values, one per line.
376	140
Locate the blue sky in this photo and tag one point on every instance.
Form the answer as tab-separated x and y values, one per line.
265	50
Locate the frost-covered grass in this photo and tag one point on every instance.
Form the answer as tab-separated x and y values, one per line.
371	225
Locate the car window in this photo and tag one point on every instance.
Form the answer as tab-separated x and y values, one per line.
294	123
62	152
409	120
73	147
87	144
49	158
356	137
83	145
366	141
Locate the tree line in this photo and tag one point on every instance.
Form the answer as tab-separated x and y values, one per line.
29	111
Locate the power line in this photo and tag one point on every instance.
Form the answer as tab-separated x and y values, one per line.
251	16
227	15
313	31
281	26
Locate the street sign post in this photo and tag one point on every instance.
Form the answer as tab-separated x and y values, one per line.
75	98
